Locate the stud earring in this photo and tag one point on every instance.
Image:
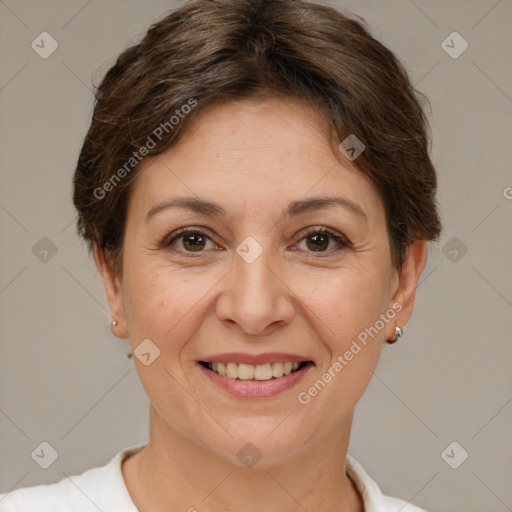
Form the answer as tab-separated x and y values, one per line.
114	322
398	333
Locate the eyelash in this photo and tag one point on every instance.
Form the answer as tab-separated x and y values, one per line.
341	241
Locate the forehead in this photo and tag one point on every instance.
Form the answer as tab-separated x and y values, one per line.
252	153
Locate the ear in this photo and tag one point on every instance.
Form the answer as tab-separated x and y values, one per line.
407	282
112	285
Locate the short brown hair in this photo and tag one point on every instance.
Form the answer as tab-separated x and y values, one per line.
214	51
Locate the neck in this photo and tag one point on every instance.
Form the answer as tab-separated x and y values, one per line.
174	473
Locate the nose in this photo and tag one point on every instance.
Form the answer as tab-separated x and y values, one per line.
255	298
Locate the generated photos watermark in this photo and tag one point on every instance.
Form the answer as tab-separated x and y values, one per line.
304	397
151	143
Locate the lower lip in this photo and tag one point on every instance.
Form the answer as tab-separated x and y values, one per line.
256	388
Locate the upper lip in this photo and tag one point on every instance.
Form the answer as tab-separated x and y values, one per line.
254	359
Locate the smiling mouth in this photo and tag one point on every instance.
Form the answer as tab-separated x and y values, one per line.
266	371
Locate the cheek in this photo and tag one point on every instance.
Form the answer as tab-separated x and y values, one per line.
345	308
342	305
345	301
163	305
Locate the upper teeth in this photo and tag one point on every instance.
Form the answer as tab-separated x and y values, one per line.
250	371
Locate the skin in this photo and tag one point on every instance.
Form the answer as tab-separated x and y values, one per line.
253	158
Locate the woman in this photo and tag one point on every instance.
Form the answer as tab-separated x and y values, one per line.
256	189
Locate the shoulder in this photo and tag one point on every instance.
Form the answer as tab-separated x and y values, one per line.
373	498
100	488
44	498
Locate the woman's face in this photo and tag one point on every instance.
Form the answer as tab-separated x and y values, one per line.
286	260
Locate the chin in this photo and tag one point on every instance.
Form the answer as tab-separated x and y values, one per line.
260	442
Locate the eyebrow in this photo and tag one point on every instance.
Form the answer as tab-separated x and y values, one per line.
294	209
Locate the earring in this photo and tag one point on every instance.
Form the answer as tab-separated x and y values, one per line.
114	322
398	333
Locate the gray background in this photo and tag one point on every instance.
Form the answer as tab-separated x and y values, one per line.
65	379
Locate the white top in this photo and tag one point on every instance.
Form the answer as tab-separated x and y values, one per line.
104	489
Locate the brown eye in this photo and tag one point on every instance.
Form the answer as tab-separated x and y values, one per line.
323	241
318	242
193	241
188	240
